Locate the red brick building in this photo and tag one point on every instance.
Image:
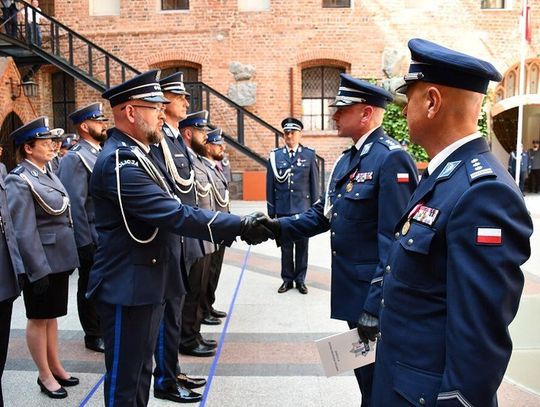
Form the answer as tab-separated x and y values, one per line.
296	50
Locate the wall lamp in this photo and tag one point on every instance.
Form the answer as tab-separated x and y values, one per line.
28	88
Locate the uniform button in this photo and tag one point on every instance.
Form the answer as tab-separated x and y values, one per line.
333	234
388	269
292	190
292	173
333	253
410	242
154	261
382	303
335	214
339	195
292	182
357	194
397	235
422	401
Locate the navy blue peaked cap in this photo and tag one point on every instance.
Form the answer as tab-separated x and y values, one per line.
36	129
197	119
436	64
215	137
174	83
352	91
144	86
291	124
93	111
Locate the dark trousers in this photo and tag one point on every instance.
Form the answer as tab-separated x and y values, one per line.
364	377
166	352
85	307
6	307
534	181
129	333
216	262
192	313
294	270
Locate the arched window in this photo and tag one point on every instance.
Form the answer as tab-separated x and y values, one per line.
63	100
320	85
10	124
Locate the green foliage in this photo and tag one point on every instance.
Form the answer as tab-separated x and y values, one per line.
483	120
395	125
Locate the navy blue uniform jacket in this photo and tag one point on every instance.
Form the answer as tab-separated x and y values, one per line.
362	221
452	286
301	190
126	272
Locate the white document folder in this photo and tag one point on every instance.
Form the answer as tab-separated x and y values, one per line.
343	352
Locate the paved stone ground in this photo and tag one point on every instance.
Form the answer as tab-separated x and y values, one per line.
268	357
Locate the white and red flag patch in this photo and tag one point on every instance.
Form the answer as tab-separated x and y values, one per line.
489	236
402	177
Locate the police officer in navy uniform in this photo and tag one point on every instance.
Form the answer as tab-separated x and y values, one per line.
74	171
292	186
136	211
367	191
11	273
452	279
193	129
40	210
215	148
170	382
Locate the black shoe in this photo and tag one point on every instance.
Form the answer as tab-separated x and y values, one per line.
286	286
301	287
94	343
190	382
61	393
71	381
218	314
210	320
200	350
177	392
208	342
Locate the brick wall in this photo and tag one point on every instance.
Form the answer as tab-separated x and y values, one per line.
280	42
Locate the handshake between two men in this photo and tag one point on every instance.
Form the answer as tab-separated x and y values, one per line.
258	227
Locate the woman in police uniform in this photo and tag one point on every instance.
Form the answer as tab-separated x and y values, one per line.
39	206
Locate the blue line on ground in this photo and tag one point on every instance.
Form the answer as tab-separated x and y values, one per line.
224	332
91	392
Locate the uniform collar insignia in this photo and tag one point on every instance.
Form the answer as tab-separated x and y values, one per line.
448	169
34	173
366	149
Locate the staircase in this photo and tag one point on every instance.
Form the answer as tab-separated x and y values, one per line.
86	61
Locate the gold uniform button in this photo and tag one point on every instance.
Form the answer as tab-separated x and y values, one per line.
410	242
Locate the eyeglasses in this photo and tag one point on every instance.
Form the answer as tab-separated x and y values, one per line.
49	142
157	109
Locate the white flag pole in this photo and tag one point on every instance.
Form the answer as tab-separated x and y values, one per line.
523	51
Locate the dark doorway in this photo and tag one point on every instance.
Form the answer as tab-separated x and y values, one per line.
11	123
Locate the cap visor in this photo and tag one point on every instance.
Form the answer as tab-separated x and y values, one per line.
101	119
156	99
179	92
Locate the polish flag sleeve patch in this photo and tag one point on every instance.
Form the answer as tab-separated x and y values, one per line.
402	177
488	236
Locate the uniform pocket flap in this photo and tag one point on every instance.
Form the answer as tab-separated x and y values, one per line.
418	239
364	272
419	387
48	238
361	191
